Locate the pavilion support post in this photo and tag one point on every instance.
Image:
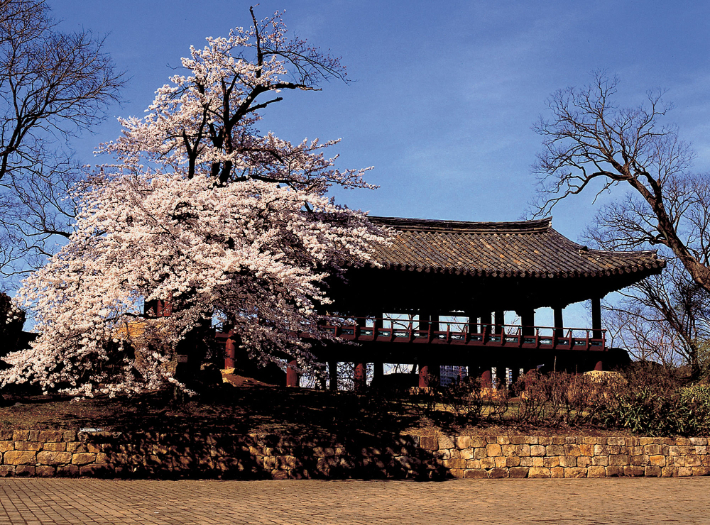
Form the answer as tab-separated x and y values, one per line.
486	378
599	366
230	351
559	323
378	370
360	377
333	375
499	322
292	376
596	317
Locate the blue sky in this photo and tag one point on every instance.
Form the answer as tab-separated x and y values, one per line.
443	94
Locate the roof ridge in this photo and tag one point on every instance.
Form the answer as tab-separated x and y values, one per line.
407	224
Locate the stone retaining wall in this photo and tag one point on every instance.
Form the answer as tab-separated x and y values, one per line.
224	455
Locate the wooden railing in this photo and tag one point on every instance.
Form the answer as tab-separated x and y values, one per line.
509	336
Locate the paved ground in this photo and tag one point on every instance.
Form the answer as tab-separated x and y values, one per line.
618	501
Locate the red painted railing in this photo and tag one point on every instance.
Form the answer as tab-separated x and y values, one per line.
509	336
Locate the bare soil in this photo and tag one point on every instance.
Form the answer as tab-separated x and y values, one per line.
260	410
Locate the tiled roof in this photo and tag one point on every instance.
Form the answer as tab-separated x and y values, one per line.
502	249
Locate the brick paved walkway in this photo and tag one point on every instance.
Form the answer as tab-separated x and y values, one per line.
88	501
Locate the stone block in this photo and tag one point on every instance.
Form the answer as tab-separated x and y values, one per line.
524	450
54	458
83	458
488	462
550	462
557	472
455	463
69	435
669	472
544	440
512	462
693	461
429	442
537	450
555	450
586	449
601	450
682	442
33	435
634	471
479	453
646	441
698	441
457	473
503	440
95	471
616	441
639	461
466	453
596	472
76	447
568	461
572	450
652	471
676	461
570	440
700	450
584	461
445	442
493	450
523	440
685	471
539	472
20	435
497	473
7	471
28	445
491	439
478	442
45	471
463	442
500	461
538	462
701	471
526	461
653	449
6	445
614	471
473	463
54	447
20	457
575	472
518	472
25	470
618	460
50	436
510	450
657	460
475	474
6	435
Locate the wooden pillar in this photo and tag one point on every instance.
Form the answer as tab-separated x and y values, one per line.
333	375
559	323
499	322
599	366
596	317
229	351
360	377
292	375
378	370
486	378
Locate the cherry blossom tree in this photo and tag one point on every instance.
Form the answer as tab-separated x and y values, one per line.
199	207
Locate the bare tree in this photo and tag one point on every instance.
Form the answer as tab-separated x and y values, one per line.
590	140
53	86
591	143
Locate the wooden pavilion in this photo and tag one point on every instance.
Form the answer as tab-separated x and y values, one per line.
440	291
